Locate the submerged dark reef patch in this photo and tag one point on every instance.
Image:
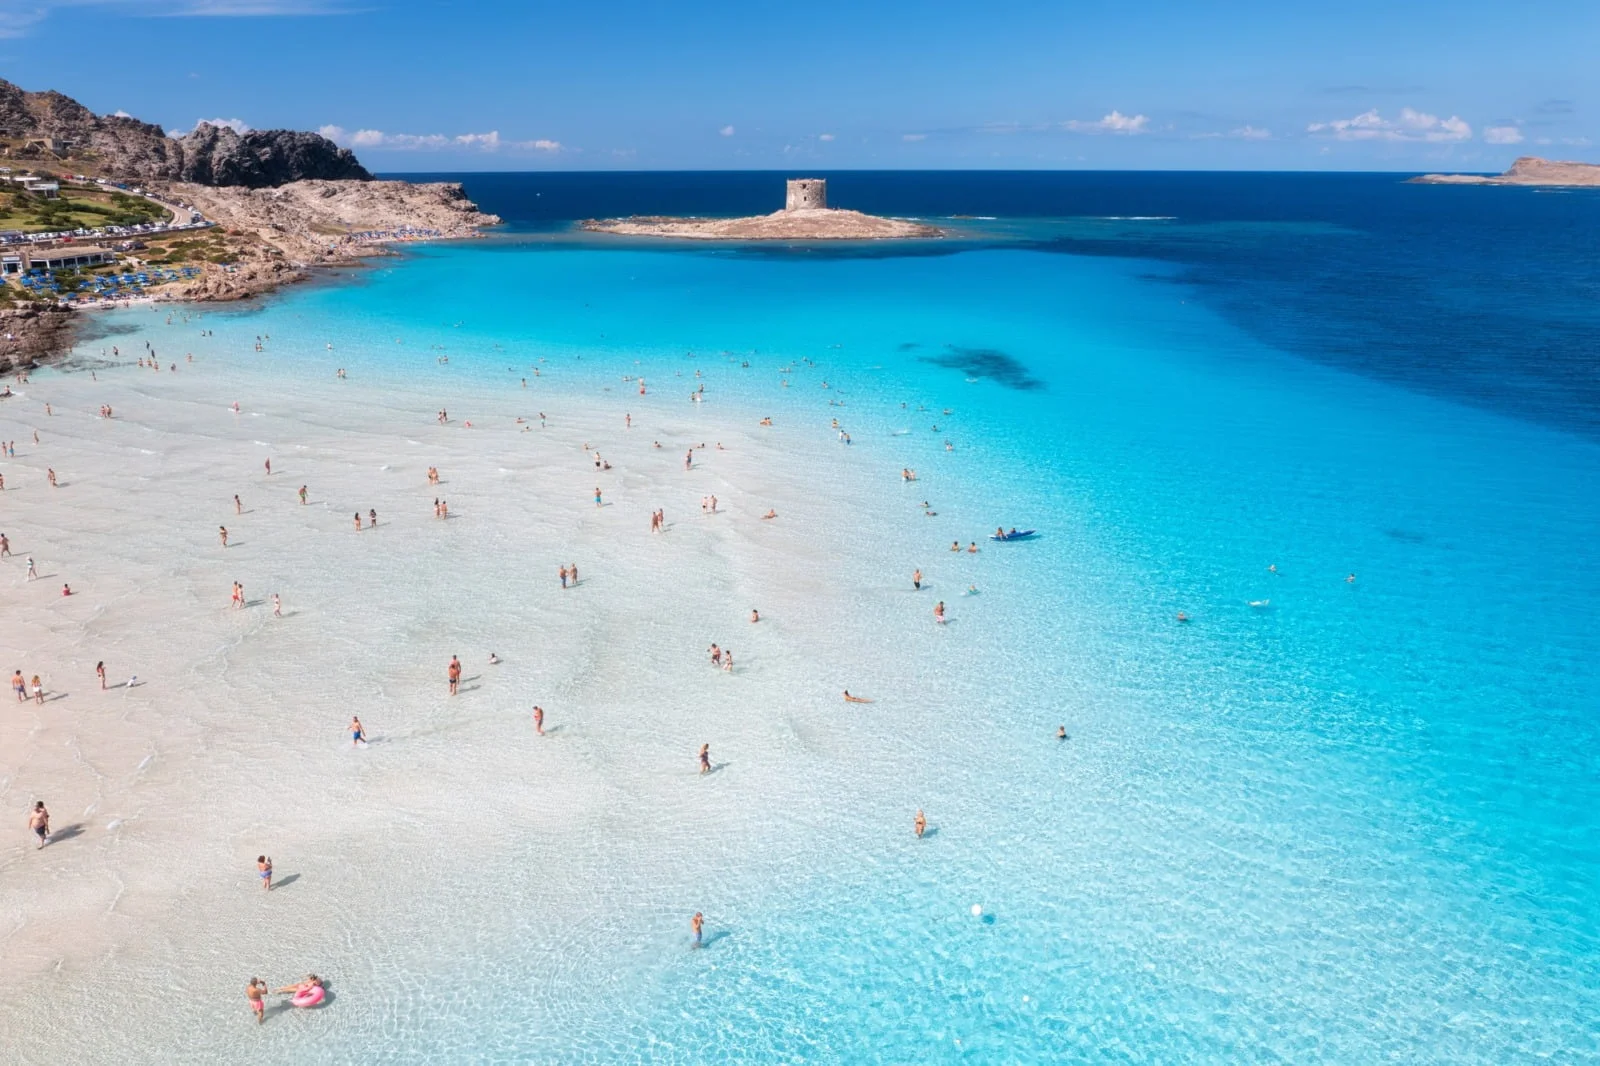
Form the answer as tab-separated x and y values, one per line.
989	363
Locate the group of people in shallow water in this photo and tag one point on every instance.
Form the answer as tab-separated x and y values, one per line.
309	991
311	987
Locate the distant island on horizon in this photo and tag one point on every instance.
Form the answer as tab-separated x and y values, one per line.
1528	170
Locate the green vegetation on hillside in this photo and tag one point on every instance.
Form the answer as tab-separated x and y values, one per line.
209	246
77	207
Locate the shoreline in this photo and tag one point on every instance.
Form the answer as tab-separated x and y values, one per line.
159	783
278	236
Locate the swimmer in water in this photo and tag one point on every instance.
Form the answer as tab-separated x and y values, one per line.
1182	617
494	659
1061	732
854	699
755	615
920	824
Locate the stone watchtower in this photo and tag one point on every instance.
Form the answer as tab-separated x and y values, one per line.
806	194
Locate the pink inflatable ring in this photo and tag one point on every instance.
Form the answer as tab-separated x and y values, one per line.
309	998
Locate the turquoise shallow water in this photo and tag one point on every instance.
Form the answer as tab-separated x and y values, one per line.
1358	822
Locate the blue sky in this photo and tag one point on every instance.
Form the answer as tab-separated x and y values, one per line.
414	85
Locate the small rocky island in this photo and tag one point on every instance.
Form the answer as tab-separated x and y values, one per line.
806	216
1529	170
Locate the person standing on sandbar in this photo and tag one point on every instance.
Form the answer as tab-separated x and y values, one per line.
39	822
254	993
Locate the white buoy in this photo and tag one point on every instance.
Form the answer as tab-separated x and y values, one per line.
977	910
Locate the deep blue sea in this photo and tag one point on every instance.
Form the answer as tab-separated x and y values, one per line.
1350	427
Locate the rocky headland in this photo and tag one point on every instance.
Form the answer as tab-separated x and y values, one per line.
283	202
279	234
818	224
1528	170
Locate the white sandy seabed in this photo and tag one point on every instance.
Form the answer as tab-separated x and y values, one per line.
402	865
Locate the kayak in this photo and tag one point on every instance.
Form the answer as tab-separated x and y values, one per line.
1019	534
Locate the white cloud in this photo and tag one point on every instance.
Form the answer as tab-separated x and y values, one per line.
1410	126
1502	135
237	125
726	131
119	113
18	17
824	136
913	136
432	142
247	8
1115	122
489	142
1251	133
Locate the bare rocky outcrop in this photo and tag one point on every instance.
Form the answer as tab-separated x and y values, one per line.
32	333
218	155
1528	170
116	146
817	224
316	223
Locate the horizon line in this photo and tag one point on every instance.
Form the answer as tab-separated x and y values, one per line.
919	170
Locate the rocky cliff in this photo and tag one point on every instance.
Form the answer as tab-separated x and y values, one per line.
280	231
33	332
116	146
1528	170
258	159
